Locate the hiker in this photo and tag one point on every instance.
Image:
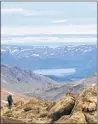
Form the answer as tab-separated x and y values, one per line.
9	100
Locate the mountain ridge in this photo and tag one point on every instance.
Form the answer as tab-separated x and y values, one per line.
13	77
41	87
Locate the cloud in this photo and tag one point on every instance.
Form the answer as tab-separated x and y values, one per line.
19	11
67	29
45	39
29	12
59	21
12	10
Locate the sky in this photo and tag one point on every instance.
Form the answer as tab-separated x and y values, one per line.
37	22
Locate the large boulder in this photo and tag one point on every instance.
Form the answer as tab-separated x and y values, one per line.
62	107
87	100
77	118
85	109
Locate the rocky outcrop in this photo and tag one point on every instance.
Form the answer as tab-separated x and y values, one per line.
85	109
76	118
62	107
81	109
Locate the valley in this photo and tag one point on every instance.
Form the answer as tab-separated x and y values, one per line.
30	84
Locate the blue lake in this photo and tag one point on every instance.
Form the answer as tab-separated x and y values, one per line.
56	72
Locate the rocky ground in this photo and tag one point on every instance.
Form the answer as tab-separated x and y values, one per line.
69	109
16	96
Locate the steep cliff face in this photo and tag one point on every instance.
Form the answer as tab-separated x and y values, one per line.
69	109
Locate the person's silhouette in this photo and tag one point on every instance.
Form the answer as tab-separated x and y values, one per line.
10	101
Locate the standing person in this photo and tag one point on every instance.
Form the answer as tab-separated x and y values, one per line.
10	101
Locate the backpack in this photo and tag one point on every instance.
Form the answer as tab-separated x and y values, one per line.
9	98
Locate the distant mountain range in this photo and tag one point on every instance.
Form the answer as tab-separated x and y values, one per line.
82	58
28	83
